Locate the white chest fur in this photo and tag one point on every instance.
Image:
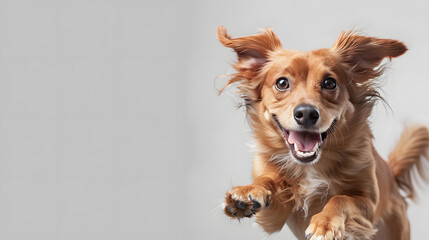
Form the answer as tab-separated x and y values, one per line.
314	188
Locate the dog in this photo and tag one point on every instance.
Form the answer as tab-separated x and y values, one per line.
315	167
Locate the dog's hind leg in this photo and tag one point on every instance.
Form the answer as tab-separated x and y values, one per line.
394	224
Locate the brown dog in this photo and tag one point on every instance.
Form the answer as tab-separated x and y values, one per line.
316	168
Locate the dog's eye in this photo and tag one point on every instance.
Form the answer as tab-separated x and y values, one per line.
329	83
282	84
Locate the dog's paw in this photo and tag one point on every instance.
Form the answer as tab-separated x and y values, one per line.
245	201
324	227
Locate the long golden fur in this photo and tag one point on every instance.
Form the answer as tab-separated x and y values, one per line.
342	187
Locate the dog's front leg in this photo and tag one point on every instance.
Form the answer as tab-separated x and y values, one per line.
343	216
263	198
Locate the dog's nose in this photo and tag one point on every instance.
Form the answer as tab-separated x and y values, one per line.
306	115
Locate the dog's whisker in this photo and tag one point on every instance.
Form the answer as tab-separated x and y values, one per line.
342	136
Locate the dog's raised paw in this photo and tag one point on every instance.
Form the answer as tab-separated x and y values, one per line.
246	201
325	228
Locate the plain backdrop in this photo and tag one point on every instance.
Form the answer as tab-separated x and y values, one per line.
110	123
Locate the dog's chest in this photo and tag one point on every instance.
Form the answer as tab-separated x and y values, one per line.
315	189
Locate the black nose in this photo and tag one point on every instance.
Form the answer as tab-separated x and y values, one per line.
306	115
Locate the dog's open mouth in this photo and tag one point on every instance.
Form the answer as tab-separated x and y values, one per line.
305	145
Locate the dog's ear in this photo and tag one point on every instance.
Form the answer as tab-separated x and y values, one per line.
362	54
252	51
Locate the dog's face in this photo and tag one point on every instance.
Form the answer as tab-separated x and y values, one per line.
307	93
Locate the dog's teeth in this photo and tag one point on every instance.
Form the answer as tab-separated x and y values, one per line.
305	154
314	151
316	146
296	147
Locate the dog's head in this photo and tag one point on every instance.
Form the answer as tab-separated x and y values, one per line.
307	93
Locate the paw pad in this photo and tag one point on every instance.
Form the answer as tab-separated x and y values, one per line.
246	201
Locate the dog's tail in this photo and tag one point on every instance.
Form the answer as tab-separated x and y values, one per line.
406	160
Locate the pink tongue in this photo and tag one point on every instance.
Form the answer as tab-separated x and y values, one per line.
305	141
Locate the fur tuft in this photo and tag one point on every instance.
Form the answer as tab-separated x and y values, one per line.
406	160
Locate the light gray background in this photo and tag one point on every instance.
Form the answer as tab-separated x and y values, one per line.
110	126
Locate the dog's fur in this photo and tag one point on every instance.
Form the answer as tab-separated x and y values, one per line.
349	190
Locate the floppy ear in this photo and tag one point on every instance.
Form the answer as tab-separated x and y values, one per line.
252	51
362	54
